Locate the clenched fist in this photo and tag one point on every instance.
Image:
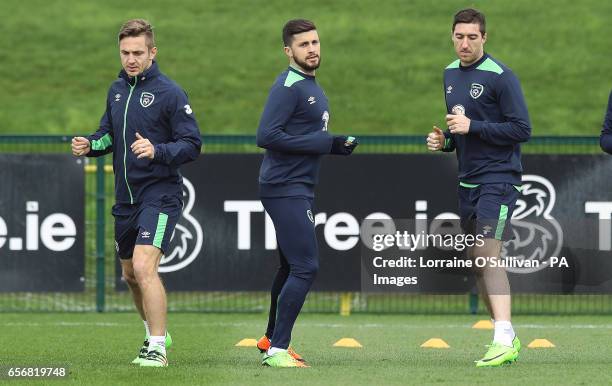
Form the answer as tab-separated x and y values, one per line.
458	124
80	146
142	147
435	139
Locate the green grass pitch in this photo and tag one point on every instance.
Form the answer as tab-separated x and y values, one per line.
382	61
99	347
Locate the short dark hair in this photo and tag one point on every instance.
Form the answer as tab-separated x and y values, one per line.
296	26
138	27
471	16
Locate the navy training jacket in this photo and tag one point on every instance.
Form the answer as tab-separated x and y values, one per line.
490	95
158	109
293	130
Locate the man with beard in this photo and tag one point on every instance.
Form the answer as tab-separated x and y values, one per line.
293	130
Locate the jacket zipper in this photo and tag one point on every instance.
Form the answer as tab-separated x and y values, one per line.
127	104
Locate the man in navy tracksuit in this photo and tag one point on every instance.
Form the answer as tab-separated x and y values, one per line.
605	139
150	128
293	130
487	120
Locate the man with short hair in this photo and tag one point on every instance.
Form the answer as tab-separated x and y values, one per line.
293	130
150	128
487	120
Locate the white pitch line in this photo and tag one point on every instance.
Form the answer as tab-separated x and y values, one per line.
305	324
65	324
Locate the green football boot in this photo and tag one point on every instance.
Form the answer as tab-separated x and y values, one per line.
498	355
281	359
145	349
155	358
143	352
516	343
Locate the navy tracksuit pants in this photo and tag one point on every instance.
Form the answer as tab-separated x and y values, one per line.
299	262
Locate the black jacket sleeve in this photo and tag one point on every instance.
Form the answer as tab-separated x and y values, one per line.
605	140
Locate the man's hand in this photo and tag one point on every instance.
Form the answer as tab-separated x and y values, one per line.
80	146
142	147
435	139
343	145
458	124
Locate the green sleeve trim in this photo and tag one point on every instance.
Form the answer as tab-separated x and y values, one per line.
292	78
490	65
518	187
161	229
102	143
469	186
454	64
501	222
446	143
